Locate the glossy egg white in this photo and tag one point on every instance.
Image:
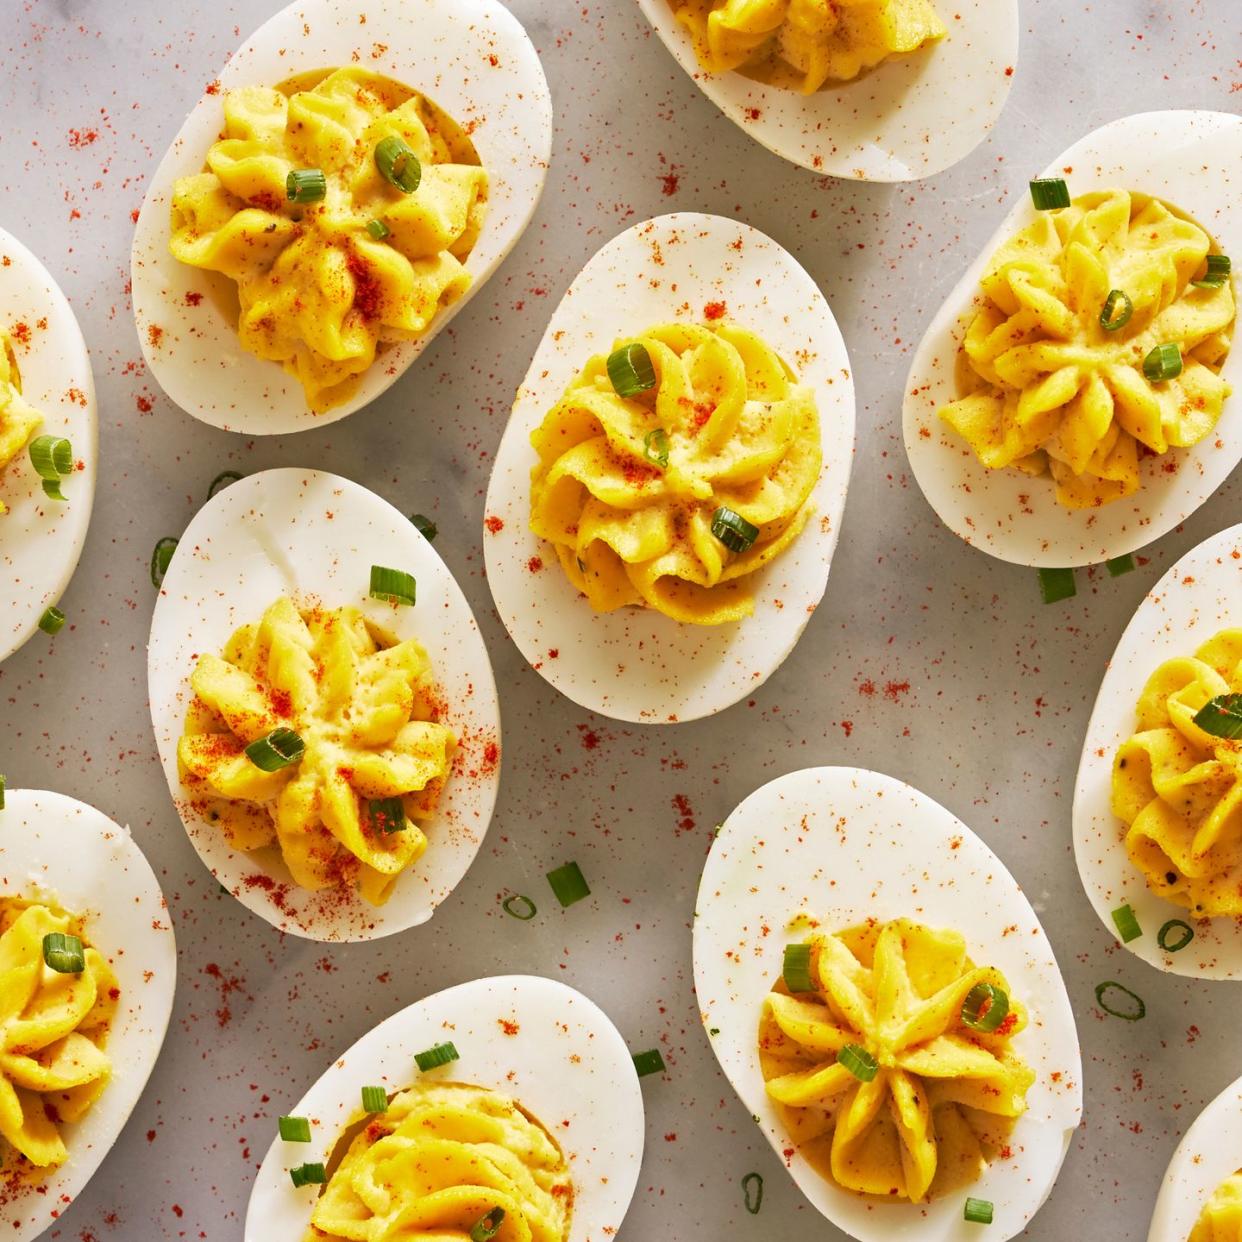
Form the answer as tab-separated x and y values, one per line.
1017	518
41	539
55	847
910	117
844	845
314	536
471	57
544	1044
1199	596
635	663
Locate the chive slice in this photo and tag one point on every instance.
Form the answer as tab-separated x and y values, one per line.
985	1007
310	1174
294	1129
523	912
859	1062
630	370
433	1058
52	620
1056	585
569	884
1	793
797	968
487	1227
306	185
1186	934
161	558
1221	716
978	1211
64	953
1110	317
752	1182
378	229
1164	362
222	480
281	747
52	459
1127	924
1119	565
374	1100
425	526
1138	1011
656	446
1217	272
1049	193
393	585
649	1062
387	814
398	165
733	530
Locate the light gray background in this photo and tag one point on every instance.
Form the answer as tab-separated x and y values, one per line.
1000	686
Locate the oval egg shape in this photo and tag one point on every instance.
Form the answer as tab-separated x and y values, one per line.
909	117
682	267
475	62
547	1046
1008	514
58	848
1198	597
313	537
40	538
847	846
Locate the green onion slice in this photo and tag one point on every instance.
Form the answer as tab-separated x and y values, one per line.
387	814
1217	272
487	1227
1119	565
655	447
161	558
425	526
52	459
277	750
398	165
1056	585
630	370
859	1062
306	185
733	530
310	1174
985	1007
222	480
1049	193
378	229
52	620
1185	934
433	1058
1127	924
649	1062
64	953
294	1129
374	1100
1112	318
797	968
520	906
1139	1009
393	585
1164	362
569	884
1	793
978	1211
752	1192
1221	716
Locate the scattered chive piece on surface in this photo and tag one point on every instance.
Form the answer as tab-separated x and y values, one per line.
1120	565
1186	934
433	1058
752	1192
797	969
1	793
569	884
222	480
1049	193
374	1100
1127	924
655	447
733	530
425	526
378	229
985	1007
649	1062
64	953
387	814
630	370
306	185
311	1174
1217	272
1056	585
393	585
1138	1011
978	1211
1117	310
520	906
52	459
398	165
1164	362
1221	716
487	1227
859	1062
294	1129
161	558
277	750
52	620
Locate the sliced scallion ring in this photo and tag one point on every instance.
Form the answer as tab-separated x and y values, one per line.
1	793
161	558
1127	924
1056	585
378	229
978	1211
1216	273
1164	362
859	1062
649	1062
520	907
64	953
752	1192
222	480
387	814
374	1100
569	884
1049	193
425	526
52	621
1117	310
1221	716
985	1007
630	370
733	530
487	1227
52	459
397	164
294	1129
656	446
1175	927
309	1174
306	185
393	585
1119	565
1139	1009
433	1058
797	968
278	749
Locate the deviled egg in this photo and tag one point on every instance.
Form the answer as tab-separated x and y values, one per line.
1158	781
737	347
510	1097
911	115
387	209
896	908
323	706
47	407
89	970
1076	391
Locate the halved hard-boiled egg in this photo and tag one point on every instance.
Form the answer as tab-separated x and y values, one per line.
483	81
503	1108
323	706
700	278
834	858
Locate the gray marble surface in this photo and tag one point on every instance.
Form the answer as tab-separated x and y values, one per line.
999	687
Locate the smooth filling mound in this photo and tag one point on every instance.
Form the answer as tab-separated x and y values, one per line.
18	418
1221	1218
